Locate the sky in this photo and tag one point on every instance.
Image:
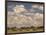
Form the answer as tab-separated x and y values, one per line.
27	6
11	5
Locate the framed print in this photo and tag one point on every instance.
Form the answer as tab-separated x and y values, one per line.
25	17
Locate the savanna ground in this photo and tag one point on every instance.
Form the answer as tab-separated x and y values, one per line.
23	29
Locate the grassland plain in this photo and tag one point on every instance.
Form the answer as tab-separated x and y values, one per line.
23	29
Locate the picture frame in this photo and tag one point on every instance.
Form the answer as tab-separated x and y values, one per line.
21	2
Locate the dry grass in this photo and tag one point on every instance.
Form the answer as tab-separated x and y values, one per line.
23	29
